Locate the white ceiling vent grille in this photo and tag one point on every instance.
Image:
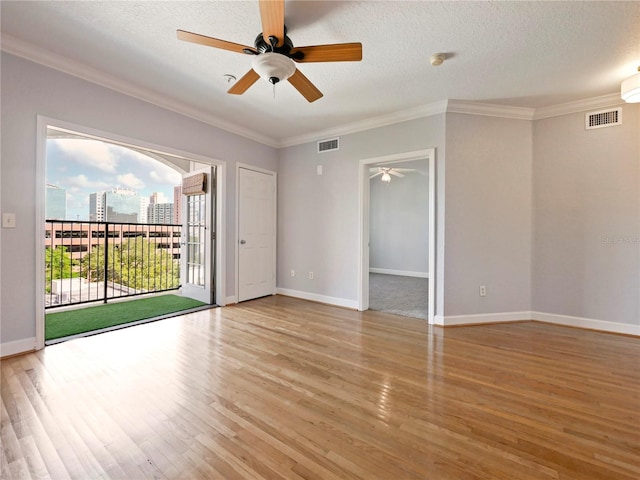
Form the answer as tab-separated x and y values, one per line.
328	145
603	118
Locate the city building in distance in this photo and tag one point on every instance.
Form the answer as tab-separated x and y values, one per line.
56	203
160	213
116	205
177	204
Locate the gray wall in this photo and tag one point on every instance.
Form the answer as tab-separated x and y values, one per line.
399	221
487	215
586	253
318	215
544	214
29	89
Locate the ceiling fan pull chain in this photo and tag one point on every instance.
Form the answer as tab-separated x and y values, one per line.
274	91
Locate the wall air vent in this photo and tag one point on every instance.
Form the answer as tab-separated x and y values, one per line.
328	145
603	118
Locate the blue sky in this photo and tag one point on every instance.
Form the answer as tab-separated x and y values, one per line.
83	166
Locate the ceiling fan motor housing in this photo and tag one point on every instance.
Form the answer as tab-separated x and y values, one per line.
263	46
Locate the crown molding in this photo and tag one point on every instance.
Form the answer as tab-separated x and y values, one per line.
58	62
443	106
420	111
489	110
49	59
578	106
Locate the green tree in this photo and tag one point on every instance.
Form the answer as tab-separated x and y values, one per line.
136	263
58	264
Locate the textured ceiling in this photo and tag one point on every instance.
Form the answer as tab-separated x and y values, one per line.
524	54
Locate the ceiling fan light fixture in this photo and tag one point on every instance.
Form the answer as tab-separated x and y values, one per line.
386	177
630	89
273	67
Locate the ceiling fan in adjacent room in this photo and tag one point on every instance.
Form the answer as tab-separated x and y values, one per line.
386	172
275	57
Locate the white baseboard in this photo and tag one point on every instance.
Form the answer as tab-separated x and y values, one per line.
17	346
564	320
481	318
231	300
339	302
588	323
404	273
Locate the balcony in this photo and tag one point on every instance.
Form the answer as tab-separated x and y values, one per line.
99	261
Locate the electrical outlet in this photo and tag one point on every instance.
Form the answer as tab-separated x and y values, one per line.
293	272
483	291
8	220
310	275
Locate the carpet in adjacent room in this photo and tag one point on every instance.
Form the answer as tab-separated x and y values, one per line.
406	296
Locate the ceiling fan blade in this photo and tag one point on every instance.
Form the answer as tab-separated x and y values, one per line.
304	86
338	52
393	172
272	15
244	83
375	169
211	42
405	169
375	175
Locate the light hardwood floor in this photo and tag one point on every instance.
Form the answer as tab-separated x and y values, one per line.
280	388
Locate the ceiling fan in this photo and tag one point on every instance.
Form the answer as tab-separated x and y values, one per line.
275	57
386	172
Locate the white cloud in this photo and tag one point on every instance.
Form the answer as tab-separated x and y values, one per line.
166	176
92	153
82	182
130	180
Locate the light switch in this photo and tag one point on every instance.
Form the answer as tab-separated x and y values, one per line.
8	220
319	170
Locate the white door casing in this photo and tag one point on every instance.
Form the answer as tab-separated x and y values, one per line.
256	246
198	236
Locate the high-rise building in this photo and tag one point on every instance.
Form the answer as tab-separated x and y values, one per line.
96	207
117	205
55	203
177	204
144	207
158	197
160	213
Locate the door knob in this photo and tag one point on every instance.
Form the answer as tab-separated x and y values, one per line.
242	242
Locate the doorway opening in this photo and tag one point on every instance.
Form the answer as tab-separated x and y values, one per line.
119	223
397	231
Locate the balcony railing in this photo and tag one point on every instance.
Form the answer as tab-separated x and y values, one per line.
99	261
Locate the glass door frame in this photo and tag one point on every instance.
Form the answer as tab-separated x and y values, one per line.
198	258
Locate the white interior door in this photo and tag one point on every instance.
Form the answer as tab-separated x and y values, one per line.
256	234
198	236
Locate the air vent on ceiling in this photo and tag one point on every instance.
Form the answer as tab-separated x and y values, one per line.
328	145
603	118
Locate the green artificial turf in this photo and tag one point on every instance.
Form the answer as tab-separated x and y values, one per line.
72	322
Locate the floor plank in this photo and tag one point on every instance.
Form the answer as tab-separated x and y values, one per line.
281	388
